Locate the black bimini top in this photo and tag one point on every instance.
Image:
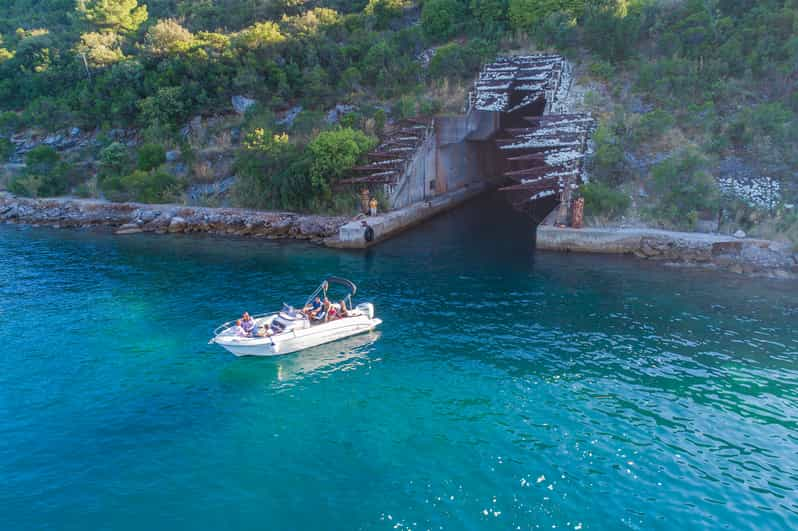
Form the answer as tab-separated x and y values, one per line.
342	282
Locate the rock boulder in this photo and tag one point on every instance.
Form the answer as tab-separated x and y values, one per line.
241	104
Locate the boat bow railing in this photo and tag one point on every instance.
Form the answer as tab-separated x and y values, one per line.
229	324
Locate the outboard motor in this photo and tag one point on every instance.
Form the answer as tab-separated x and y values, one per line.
367	308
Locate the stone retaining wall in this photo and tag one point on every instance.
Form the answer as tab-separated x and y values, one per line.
131	218
683	249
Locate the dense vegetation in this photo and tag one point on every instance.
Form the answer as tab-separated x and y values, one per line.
697	81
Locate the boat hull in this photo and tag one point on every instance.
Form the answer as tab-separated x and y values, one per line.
289	342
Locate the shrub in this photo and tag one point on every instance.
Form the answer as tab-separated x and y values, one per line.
379	121
332	154
405	107
787	224
272	173
602	70
604	201
9	121
683	189
151	156
114	160
429	107
146	187
44	175
83	190
26	185
6	149
608	160
653	125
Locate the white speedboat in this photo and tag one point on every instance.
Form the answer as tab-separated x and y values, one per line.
291	330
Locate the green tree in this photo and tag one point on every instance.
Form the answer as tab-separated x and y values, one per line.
151	156
100	49
610	30
525	15
311	22
116	15
441	19
455	60
259	35
36	50
168	37
165	108
384	11
332	154
558	29
491	14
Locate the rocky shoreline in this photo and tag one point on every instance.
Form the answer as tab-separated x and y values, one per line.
133	218
747	256
679	249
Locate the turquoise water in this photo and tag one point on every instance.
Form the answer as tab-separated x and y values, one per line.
505	390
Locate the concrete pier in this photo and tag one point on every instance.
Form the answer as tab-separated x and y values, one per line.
353	234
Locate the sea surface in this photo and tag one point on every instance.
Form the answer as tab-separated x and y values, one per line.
506	389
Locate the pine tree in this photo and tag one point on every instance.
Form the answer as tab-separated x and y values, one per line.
112	15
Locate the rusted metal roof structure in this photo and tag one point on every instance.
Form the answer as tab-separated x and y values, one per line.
390	158
546	157
511	83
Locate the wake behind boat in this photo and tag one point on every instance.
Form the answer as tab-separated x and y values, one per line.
291	329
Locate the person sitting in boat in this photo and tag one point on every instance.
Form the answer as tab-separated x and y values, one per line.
264	331
238	329
333	312
337	311
313	309
324	314
248	324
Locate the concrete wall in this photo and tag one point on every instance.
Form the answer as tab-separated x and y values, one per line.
414	186
465	150
460	152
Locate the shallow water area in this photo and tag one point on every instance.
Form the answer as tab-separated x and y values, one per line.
505	389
